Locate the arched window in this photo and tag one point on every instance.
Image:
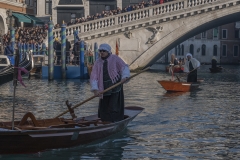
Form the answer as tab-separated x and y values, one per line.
179	50
215	50
203	50
192	49
176	49
182	49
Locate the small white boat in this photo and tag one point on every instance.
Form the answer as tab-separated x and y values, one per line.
4	61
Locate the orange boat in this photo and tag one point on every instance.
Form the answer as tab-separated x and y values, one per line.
173	86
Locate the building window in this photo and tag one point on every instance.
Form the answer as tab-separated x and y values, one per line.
27	2
224	34
215	33
179	50
224	50
235	51
107	8
73	18
237	34
204	35
35	6
48	7
182	50
31	2
215	50
192	49
203	50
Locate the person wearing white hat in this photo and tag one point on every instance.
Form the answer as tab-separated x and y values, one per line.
191	66
108	70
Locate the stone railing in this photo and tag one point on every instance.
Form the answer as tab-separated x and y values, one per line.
116	23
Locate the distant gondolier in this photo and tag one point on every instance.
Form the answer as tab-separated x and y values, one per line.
214	62
191	66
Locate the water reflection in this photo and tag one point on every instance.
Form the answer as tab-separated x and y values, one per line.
203	124
174	94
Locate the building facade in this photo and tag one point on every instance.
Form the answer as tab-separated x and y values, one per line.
223	42
19	8
230	43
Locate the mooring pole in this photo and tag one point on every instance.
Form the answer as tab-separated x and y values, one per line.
15	73
95	51
50	51
82	59
12	32
63	50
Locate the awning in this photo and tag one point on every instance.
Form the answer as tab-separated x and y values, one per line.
70	6
35	19
21	18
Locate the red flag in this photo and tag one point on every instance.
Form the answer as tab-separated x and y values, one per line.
117	49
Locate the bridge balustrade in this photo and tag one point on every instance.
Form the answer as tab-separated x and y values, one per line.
132	16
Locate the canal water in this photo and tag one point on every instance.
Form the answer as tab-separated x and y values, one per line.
203	124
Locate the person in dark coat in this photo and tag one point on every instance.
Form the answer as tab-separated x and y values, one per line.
68	47
8	50
58	51
214	62
191	66
108	70
76	51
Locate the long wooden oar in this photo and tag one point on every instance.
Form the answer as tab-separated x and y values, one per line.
178	78
117	84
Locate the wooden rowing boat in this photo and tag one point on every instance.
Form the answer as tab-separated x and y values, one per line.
173	86
30	135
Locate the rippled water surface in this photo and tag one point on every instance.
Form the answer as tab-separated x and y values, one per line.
203	124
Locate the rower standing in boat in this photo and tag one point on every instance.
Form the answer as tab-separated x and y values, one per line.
190	67
108	70
174	60
214	62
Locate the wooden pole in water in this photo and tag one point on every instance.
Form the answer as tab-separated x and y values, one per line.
50	51
95	51
63	50
81	59
15	73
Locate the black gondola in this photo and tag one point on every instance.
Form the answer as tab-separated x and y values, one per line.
6	74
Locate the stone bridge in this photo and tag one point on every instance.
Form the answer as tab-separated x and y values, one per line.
144	35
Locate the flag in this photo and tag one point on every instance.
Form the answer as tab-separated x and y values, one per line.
117	49
19	78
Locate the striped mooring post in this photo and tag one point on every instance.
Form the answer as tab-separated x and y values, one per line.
12	34
63	50
95	51
50	51
81	59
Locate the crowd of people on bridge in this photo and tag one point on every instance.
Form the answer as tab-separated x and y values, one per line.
118	10
26	38
33	38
